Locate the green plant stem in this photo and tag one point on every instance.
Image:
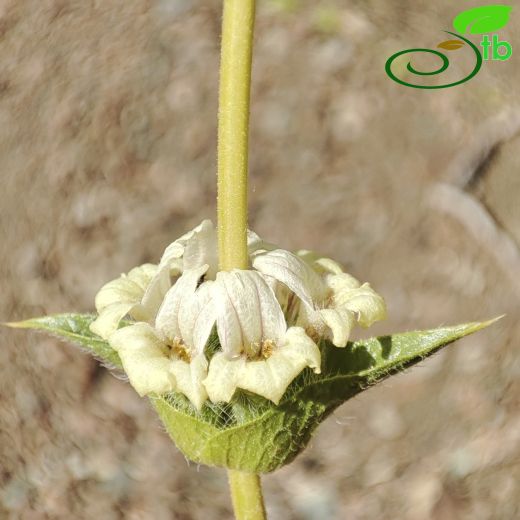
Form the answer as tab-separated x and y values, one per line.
233	132
233	145
246	493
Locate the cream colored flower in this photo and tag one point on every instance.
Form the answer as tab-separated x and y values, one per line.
138	294
194	249
170	357
199	247
267	319
331	301
259	353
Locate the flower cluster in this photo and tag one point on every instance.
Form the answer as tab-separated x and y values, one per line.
269	318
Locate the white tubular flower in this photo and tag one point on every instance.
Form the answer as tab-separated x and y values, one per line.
332	300
194	249
259	353
171	356
138	294
268	319
199	247
145	358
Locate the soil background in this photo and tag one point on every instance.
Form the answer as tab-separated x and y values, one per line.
107	153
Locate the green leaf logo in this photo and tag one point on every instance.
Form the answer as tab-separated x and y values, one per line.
484	19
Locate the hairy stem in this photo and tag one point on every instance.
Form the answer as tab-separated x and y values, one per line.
233	142
246	492
233	132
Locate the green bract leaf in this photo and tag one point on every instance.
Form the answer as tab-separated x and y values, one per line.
485	19
257	436
74	328
252	434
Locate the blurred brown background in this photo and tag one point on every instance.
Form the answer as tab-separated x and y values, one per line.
107	153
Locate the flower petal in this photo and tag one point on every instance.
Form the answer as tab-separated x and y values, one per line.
176	249
197	317
368	305
247	312
292	271
290	304
201	249
145	359
340	321
256	245
320	264
143	274
128	288
153	295
109	318
223	374
271	377
341	282
193	249
189	377
124	295
299	346
167	320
